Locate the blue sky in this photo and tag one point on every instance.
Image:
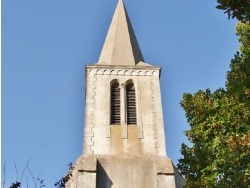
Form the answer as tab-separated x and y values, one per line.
47	43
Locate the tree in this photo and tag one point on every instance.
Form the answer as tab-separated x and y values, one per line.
220	127
63	181
236	8
37	182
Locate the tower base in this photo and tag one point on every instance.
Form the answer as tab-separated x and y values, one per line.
107	171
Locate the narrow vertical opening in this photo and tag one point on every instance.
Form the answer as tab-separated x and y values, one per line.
131	104
115	104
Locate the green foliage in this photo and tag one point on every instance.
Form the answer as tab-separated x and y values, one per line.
63	181
220	127
236	8
15	185
238	79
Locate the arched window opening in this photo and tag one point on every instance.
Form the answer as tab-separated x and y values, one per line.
131	104
115	104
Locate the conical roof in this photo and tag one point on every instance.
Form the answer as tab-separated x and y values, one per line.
121	46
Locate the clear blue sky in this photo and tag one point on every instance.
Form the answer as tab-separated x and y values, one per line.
45	45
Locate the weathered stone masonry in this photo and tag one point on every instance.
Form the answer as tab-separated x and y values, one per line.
128	151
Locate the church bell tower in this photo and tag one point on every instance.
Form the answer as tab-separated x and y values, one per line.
124	140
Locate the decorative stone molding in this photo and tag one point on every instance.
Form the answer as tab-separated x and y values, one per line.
123	72
90	115
139	111
154	117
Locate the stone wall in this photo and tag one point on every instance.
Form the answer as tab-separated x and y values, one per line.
149	128
107	171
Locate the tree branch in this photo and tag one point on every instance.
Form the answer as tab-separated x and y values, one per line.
25	168
16	171
35	182
4	175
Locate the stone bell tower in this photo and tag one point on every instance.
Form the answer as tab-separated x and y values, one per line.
124	140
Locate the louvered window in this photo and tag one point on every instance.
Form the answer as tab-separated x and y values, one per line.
115	104
131	104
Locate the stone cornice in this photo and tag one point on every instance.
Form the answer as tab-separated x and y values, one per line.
123	70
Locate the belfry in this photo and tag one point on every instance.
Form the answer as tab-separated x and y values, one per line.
124	140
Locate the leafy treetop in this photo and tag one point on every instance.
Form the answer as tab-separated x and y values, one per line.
220	127
236	8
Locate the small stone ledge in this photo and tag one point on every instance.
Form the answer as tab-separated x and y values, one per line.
87	164
163	165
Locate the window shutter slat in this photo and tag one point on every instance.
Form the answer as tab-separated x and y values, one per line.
115	104
131	104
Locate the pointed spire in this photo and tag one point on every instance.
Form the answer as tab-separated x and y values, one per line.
121	46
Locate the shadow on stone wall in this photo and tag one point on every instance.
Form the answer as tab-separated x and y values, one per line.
102	179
